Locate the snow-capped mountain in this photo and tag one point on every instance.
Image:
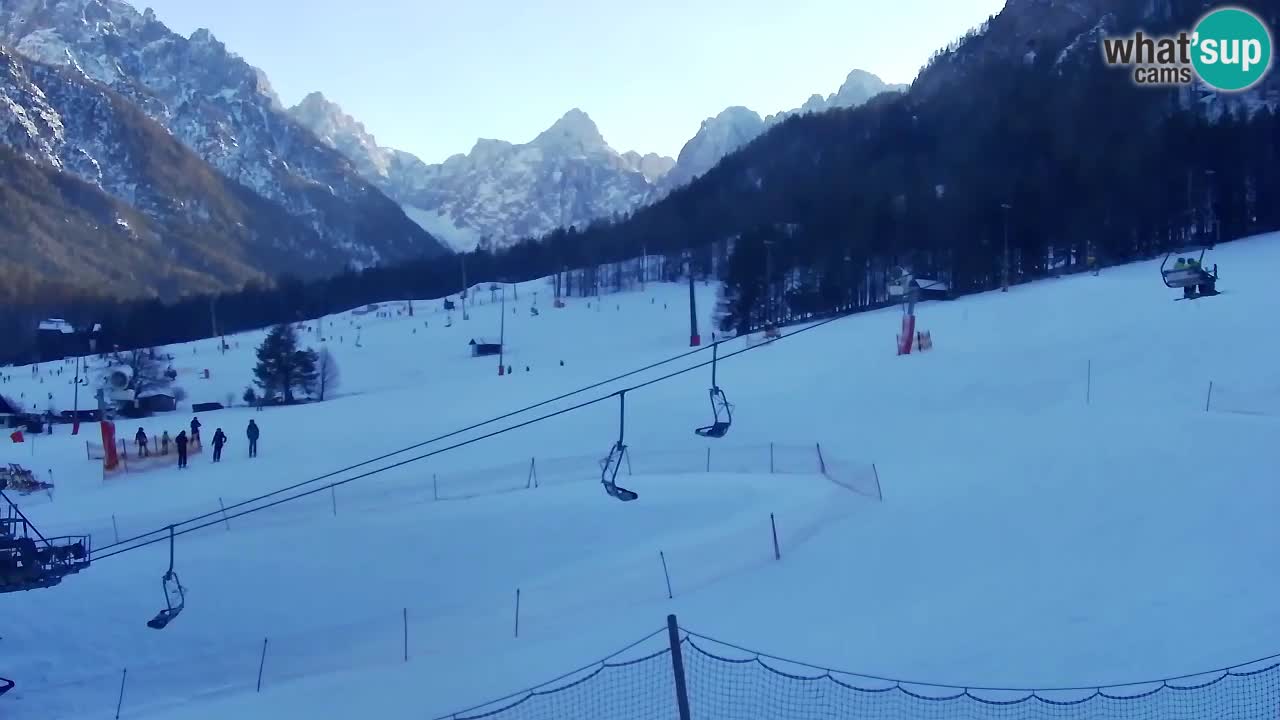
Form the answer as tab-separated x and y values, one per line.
500	192
736	126
652	165
718	136
101	195
222	108
859	87
567	176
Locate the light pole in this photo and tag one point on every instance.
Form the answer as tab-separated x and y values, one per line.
463	257
768	283
1215	225
848	279
644	264
75	403
1004	285
694	339
502	333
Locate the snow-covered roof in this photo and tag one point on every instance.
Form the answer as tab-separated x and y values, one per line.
927	284
57	325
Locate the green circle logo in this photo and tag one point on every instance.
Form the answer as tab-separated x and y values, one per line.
1232	49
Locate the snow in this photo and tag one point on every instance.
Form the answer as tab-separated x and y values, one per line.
436	222
1059	507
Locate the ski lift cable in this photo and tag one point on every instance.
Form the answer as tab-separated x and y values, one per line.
222	518
415	446
133	544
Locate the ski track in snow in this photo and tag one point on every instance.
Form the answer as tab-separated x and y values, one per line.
1026	538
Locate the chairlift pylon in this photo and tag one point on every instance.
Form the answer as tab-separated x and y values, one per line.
1190	275
613	462
721	410
173	591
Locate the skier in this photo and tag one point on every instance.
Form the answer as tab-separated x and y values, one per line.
219	439
252	433
195	430
180	442
164	443
141	439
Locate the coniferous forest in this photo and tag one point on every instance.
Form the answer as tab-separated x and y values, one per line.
1000	138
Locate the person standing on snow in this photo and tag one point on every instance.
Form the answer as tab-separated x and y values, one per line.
195	430
219	439
181	443
252	433
141	439
164	443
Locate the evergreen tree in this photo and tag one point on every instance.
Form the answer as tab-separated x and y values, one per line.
1090	164
282	367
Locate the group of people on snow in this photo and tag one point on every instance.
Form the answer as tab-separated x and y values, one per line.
182	441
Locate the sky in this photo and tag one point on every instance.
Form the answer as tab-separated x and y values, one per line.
431	77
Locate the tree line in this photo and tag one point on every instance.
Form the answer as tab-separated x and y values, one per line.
1051	155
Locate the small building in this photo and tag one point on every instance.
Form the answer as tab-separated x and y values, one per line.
157	401
7	413
483	348
57	339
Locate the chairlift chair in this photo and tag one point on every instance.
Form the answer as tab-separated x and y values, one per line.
610	465
721	410
175	596
1190	276
29	560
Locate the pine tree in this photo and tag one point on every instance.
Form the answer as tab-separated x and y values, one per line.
282	367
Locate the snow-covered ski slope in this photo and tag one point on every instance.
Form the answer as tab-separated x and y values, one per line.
1059	508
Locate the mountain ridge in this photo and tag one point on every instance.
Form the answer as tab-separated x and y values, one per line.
568	175
224	110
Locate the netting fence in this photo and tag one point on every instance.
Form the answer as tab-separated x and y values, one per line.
762	459
679	674
1242	399
527	474
154	681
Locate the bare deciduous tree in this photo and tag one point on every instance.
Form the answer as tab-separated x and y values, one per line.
327	372
146	372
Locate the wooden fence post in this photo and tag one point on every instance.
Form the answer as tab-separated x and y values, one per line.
262	663
120	700
667	575
677	667
777	554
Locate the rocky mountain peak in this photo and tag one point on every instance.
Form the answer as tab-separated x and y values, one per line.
221	108
575	130
652	165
